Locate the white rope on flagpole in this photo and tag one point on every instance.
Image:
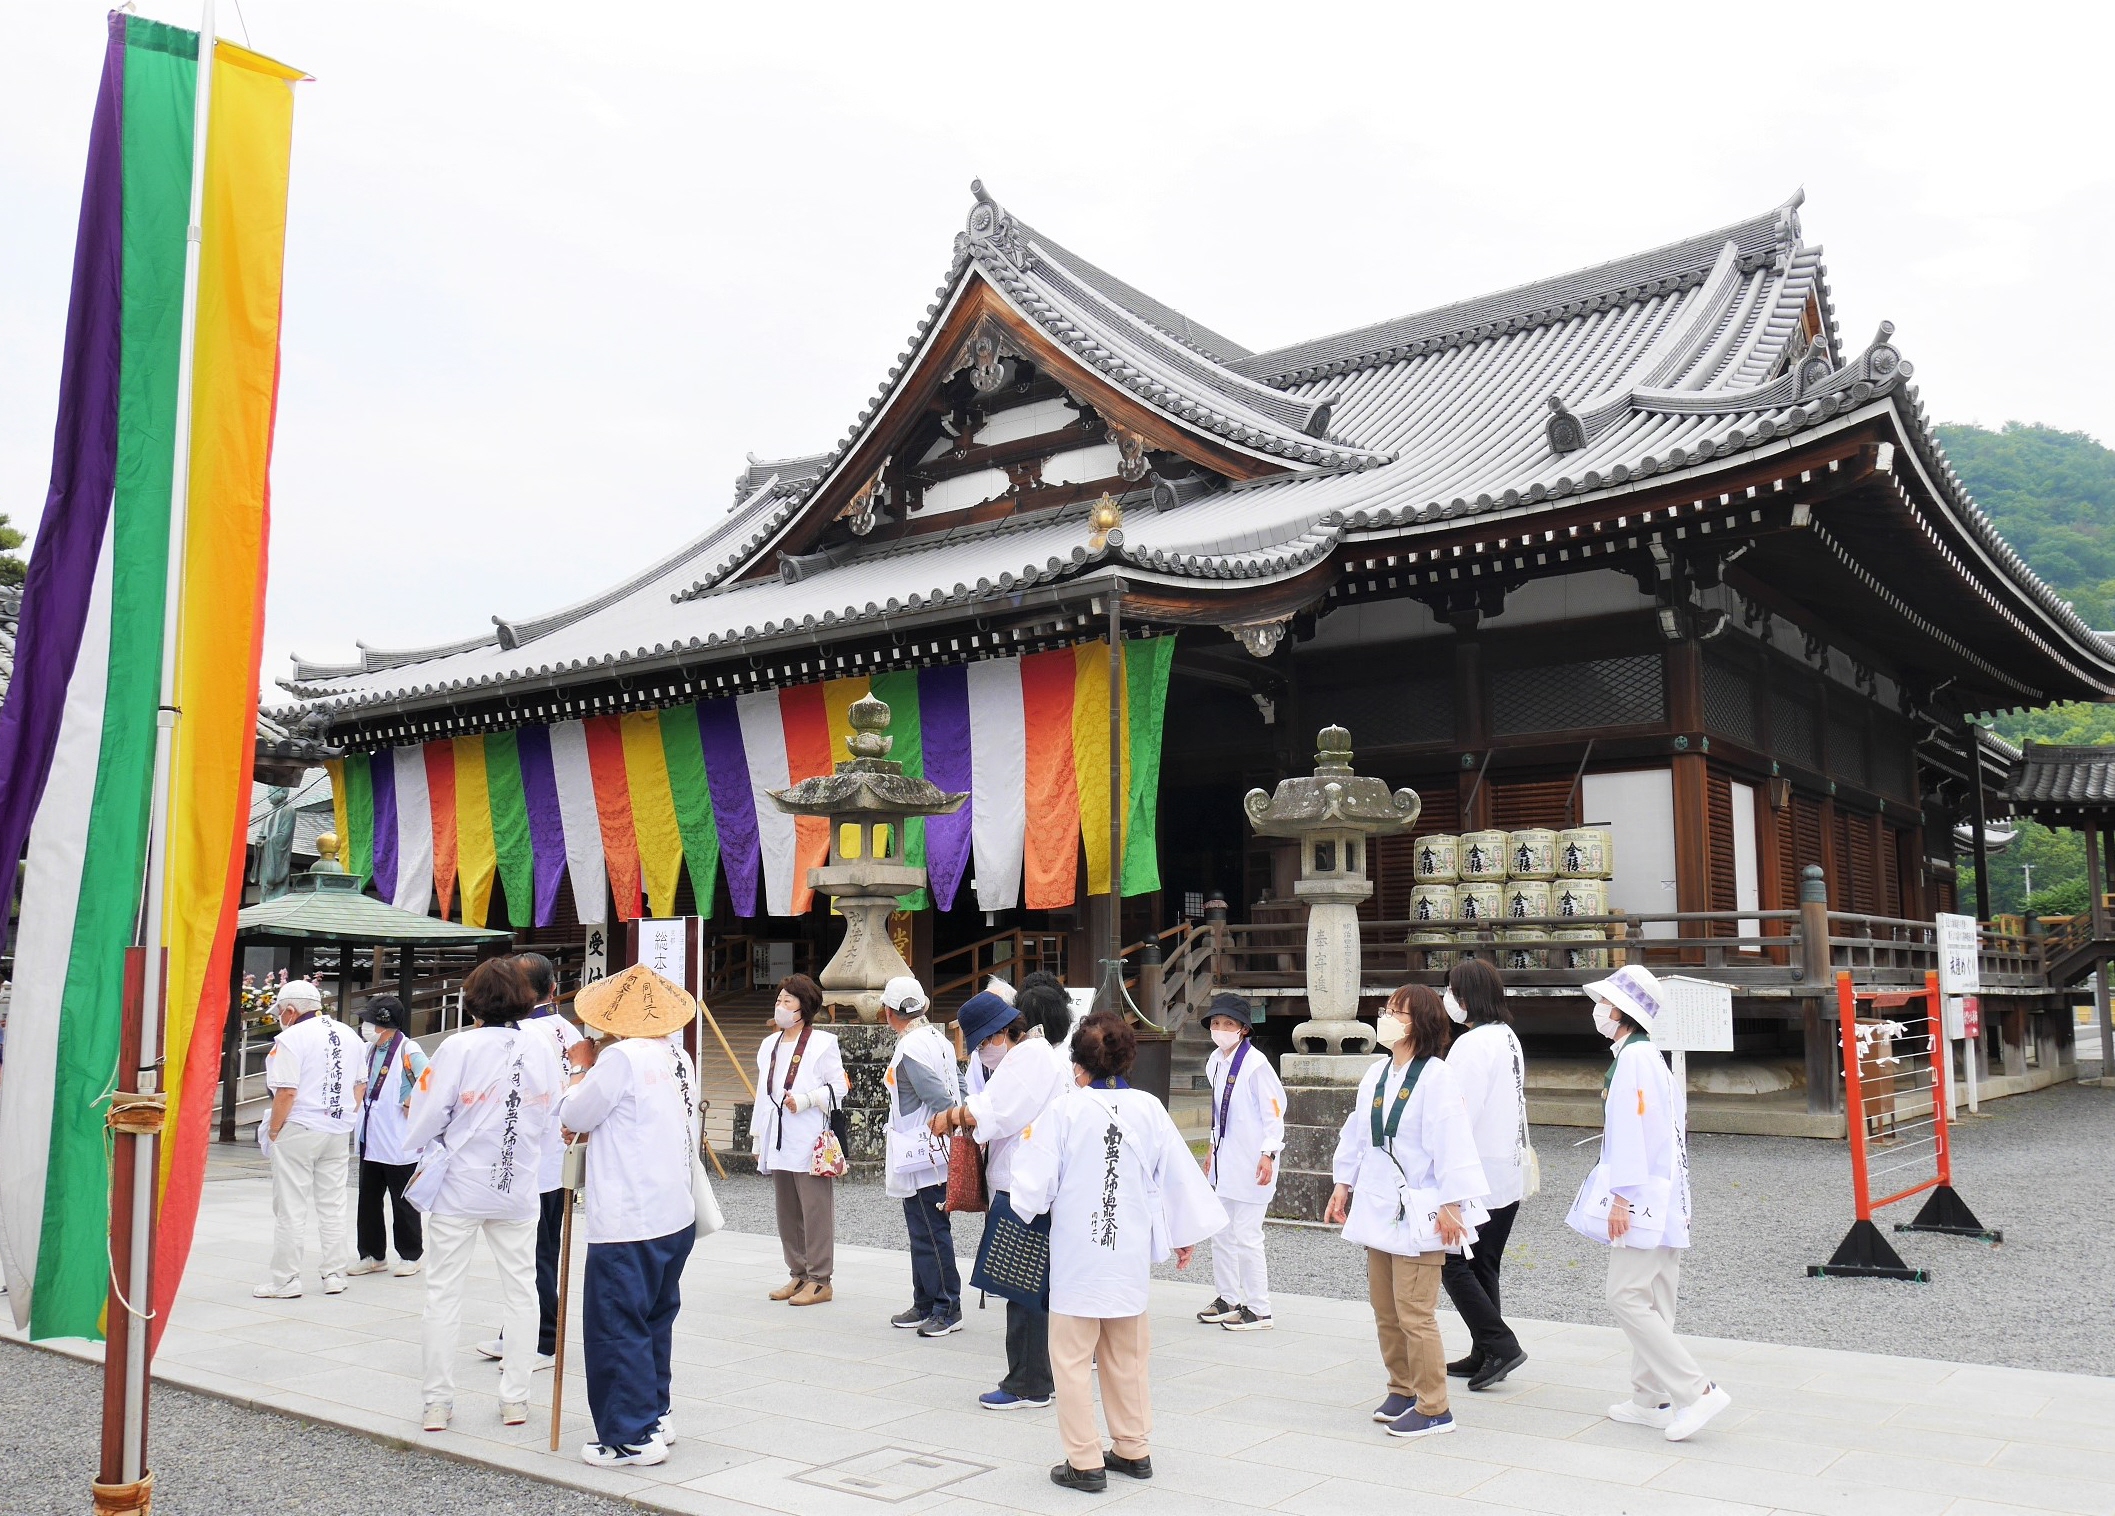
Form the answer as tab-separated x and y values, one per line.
152	927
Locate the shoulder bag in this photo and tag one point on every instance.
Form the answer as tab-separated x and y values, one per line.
965	1175
1013	1260
1530	1164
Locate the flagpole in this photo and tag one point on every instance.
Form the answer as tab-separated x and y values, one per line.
137	1305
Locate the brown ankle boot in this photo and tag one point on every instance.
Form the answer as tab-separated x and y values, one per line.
789	1289
812	1294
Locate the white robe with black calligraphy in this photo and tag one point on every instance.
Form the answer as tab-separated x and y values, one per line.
1122	1191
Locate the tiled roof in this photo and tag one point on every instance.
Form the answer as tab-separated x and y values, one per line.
2060	777
1654	367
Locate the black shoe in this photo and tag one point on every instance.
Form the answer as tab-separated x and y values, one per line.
937	1325
1089	1481
1217	1312
1137	1468
910	1318
1495	1369
1465	1368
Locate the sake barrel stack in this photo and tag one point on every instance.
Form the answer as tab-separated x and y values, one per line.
1531	853
1579	897
1483	857
1579	947
1436	858
1586	852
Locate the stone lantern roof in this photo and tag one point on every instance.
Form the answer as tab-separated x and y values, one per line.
870	780
1332	797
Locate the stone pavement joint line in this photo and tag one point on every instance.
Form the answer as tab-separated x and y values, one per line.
830	1412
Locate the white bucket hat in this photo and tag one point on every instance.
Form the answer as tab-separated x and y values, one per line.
905	996
299	992
1632	990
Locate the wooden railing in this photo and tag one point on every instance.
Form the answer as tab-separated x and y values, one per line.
960	972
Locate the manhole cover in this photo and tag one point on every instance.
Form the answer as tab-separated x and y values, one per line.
892	1474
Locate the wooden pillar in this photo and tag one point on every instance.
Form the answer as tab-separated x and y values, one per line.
344	976
1832	866
1692	833
2096	882
1978	821
231	1047
2100	994
404	979
2014	1051
1819	1022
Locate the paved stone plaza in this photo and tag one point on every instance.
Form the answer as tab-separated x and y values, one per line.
827	1410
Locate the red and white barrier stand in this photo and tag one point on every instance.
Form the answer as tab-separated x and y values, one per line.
1897	1150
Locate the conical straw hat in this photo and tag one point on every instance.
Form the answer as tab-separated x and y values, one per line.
636	1003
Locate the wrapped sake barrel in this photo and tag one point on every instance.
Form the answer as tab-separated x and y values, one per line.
1437	948
1531	853
1527	897
1437	858
1524	947
1481	901
1483	855
1433	902
1586	852
1579	897
1580	947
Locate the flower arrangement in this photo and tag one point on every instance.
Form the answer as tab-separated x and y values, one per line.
257	1000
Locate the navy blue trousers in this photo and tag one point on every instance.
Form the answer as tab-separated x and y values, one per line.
629	1314
548	1222
936	1282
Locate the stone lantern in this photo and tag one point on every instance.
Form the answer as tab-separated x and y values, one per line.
1333	815
866	802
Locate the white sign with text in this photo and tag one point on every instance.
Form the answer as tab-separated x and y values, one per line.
1960	971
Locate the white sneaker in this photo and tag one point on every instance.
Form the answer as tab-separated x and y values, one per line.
513	1413
277	1291
404	1270
494	1349
664	1434
334	1284
543	1361
602	1456
1690	1419
368	1266
437	1417
1641	1415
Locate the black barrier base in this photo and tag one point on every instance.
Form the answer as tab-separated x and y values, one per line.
1945	1211
1865	1254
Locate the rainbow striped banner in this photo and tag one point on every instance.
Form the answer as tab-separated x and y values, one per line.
77	732
623	806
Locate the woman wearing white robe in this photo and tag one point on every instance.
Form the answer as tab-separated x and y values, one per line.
1410	1198
1248	1133
1637	1201
1122	1192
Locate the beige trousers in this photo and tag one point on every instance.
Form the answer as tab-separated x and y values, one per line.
807	1223
1117	1347
1405	1296
1641	1291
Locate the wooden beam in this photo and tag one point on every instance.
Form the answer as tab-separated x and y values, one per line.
1692	833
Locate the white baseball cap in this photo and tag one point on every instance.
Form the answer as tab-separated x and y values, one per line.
905	996
299	992
1633	990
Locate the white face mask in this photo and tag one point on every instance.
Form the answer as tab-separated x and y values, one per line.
1390	1030
994	1053
1607	1022
369	1033
1224	1037
785	1017
1455	1013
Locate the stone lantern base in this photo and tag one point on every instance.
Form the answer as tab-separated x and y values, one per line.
1320	1090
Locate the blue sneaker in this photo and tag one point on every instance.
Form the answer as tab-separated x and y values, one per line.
1412	1424
999	1400
937	1325
1393	1407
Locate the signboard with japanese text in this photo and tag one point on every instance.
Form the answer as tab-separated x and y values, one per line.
664	947
1696	1016
1960	971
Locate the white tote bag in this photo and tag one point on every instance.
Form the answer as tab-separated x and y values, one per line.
703	1203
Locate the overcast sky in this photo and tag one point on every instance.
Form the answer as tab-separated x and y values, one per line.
552	270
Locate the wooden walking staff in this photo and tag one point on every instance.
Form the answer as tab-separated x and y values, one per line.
569	1180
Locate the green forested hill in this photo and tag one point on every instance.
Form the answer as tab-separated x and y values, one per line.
2052	494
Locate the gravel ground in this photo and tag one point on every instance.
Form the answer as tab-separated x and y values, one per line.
210	1456
2036	1167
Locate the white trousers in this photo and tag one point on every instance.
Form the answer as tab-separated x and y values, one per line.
309	1168
1238	1268
1641	1292
449	1240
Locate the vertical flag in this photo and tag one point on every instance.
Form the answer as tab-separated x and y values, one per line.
77	732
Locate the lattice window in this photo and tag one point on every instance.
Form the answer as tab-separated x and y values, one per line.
1566	697
1856	865
1799	844
1725	883
1795	735
1891	760
1847	748
1729	701
1391	713
1531	802
1894	862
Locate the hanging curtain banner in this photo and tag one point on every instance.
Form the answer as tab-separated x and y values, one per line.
629	803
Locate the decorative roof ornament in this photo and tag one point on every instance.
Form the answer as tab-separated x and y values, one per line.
1261	638
1567	433
991	227
990	354
1131	452
1107	521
